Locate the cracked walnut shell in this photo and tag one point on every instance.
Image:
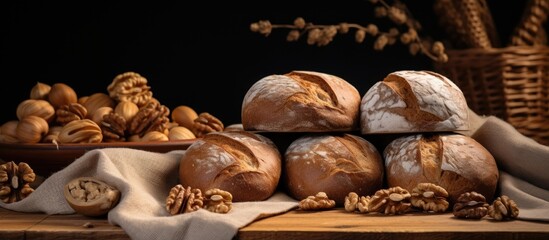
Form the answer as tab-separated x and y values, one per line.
318	202
15	180
471	205
503	208
184	200
90	196
130	86
430	197
395	200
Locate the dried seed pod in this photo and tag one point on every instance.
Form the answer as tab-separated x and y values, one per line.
180	133
39	108
61	94
184	116
96	101
40	91
31	129
81	131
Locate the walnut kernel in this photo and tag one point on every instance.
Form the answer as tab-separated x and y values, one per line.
430	197
471	205
318	202
15	180
503	208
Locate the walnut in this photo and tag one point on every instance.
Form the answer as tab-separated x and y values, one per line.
363	203
113	128
151	117
503	208
184	200
355	203
470	205
395	200
130	86
81	131
218	201
318	202
70	112
206	123
351	202
430	197
15	180
90	196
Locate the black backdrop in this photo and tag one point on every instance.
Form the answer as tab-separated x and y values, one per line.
202	54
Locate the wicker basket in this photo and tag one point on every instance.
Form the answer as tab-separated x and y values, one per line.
511	83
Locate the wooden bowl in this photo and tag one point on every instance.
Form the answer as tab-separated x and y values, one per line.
47	158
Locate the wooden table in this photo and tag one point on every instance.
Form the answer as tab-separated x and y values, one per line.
333	224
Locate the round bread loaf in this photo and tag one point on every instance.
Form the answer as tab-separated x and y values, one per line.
247	165
413	101
334	164
301	101
455	162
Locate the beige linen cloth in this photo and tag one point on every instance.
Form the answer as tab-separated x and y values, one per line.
144	179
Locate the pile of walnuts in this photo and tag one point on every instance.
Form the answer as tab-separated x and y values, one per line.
127	112
425	197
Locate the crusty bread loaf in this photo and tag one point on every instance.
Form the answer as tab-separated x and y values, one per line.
334	164
455	162
247	165
301	101
413	101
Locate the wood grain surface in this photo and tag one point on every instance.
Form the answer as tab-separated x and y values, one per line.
332	224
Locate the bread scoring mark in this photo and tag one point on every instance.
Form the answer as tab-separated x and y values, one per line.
315	91
232	147
430	154
413	112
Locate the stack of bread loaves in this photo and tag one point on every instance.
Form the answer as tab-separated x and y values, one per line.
323	108
330	155
326	157
430	108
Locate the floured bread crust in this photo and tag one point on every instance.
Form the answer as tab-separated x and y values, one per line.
301	101
413	101
334	164
245	164
455	162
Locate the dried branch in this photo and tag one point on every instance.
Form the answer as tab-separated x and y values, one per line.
398	13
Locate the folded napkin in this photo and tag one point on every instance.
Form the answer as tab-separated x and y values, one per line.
523	165
144	180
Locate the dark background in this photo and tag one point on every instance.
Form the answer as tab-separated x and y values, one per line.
200	54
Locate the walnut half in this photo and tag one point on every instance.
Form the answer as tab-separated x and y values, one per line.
503	208
184	200
15	180
430	197
90	196
395	200
218	201
318	202
470	205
